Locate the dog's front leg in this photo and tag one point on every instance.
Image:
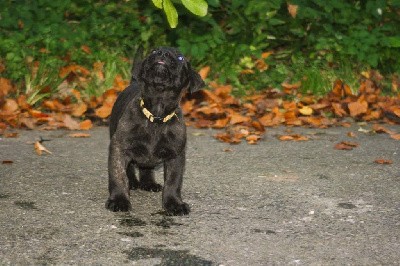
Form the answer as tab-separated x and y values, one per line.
118	183
173	174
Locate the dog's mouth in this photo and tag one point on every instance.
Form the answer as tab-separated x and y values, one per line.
161	62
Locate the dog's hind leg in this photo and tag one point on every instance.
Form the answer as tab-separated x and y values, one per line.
147	180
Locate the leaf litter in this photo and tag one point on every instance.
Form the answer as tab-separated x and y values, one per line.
240	118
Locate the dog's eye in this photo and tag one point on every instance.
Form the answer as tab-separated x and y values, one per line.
181	58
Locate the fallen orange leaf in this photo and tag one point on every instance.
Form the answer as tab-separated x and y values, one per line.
381	129
252	139
5	86
204	72
294	137
86	49
221	123
79	109
11	135
104	111
226	137
74	69
10	106
346	145
70	123
292	10
357	108
338	109
306	110
237	118
395	136
76	93
187	106
351	134
223	91
79	135
383	161
86	124
39	148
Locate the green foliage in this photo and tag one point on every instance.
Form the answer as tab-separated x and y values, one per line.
197	7
42	81
230	37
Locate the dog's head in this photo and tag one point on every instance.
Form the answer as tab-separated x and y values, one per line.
167	67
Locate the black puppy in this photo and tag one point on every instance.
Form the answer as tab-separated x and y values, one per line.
147	128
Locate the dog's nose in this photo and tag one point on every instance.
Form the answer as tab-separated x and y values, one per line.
163	53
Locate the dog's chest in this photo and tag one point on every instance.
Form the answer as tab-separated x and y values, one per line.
153	144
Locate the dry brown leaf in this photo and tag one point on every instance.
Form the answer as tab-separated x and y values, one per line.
5	86
70	123
28	122
39	148
294	137
346	145
22	102
79	109
306	110
76	93
210	96
223	91
104	111
252	139
351	134
187	106
221	123
257	126
292	10
76	69
86	124
226	137
381	129
383	161
338	109
357	108
7	162
395	136
204	72
237	118
79	135
10	106
86	49
11	135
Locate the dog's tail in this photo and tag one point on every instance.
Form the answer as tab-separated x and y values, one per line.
137	61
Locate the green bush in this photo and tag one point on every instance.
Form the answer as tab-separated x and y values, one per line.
322	35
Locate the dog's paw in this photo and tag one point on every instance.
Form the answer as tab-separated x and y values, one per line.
119	204
174	208
154	187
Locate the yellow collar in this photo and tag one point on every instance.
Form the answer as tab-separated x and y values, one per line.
153	118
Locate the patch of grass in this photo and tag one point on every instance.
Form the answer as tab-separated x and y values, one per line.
42	80
109	66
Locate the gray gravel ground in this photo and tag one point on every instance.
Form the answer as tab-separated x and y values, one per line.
275	203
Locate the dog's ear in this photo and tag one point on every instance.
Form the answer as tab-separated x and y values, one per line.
137	63
195	81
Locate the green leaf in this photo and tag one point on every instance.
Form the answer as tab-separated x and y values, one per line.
170	11
394	41
197	7
158	3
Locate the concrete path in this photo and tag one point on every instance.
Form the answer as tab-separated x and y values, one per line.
275	203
